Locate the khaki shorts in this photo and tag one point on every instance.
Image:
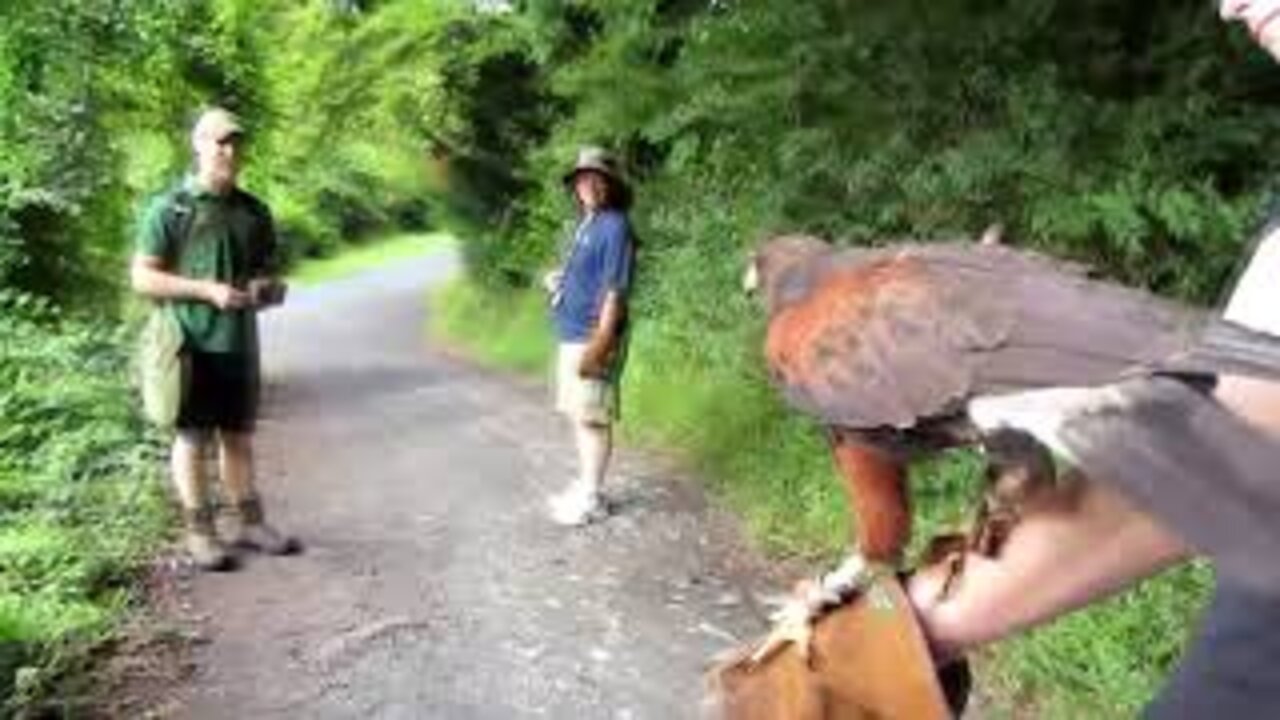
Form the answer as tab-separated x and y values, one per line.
583	399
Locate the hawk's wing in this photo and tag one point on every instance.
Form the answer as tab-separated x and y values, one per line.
890	337
872	345
1226	348
1176	453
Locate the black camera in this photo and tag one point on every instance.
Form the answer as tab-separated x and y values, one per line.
267	291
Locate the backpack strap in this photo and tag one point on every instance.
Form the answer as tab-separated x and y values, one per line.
179	219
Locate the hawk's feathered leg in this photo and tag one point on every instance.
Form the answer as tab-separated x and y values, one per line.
874	482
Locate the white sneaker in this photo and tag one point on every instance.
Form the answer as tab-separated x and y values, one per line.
577	506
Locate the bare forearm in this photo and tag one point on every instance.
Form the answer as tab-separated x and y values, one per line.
1073	551
602	343
1256	401
610	320
163	285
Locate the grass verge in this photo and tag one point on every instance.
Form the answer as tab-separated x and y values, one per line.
502	331
772	468
375	253
82	509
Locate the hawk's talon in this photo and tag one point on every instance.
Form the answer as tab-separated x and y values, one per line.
793	623
794	619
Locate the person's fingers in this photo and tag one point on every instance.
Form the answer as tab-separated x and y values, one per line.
925	587
236	299
1232	9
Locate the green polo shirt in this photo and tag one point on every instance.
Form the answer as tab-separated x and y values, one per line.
206	236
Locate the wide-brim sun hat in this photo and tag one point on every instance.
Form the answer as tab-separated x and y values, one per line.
595	159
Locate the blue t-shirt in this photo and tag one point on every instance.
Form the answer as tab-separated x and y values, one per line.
1232	668
599	261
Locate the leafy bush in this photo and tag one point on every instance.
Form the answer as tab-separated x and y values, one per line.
80	505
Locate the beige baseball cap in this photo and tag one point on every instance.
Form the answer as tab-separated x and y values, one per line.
218	123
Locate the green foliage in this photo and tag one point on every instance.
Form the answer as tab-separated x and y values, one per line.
80	511
864	121
352	96
1108	660
507	331
51	142
82	84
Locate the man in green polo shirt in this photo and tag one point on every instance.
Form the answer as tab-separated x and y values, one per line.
209	248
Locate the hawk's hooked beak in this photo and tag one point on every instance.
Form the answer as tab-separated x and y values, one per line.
751	278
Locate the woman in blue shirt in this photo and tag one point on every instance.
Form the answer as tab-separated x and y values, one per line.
589	302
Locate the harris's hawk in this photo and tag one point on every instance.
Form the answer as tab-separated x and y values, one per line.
886	345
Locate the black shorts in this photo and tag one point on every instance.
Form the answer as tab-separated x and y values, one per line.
221	394
1232	668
